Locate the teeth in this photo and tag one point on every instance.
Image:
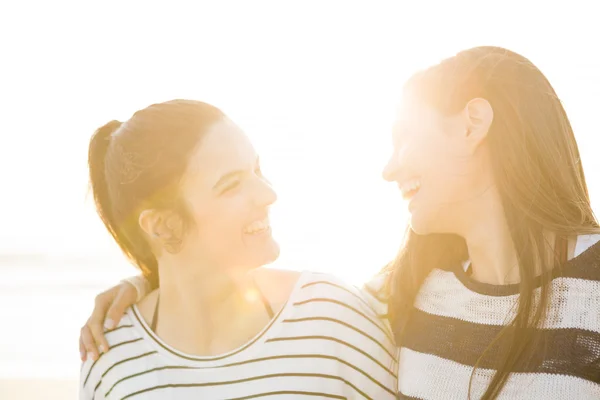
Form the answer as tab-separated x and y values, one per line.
409	186
257	226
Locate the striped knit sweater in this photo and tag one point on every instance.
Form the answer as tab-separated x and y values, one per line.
326	343
456	318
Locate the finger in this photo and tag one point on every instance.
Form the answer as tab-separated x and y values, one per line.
97	332
102	303
125	298
89	344
82	351
96	322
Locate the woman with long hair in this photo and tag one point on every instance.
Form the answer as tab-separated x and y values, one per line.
495	292
179	187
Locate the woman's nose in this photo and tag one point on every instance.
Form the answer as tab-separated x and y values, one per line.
389	171
265	195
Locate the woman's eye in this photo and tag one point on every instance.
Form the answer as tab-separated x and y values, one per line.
231	186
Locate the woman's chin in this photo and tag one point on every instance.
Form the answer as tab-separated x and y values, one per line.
420	225
267	253
271	254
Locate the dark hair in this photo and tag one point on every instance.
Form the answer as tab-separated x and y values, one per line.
139	164
539	176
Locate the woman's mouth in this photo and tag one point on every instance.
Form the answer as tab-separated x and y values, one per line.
258	227
410	188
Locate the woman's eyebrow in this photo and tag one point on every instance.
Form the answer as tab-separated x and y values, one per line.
228	176
232	174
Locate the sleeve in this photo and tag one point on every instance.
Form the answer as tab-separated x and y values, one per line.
373	292
87	385
141	285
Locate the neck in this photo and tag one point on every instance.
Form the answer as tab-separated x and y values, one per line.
198	292
491	249
204	312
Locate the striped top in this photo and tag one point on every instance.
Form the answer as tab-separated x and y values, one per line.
326	342
456	318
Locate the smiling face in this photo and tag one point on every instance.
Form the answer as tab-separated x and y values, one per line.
439	164
228	199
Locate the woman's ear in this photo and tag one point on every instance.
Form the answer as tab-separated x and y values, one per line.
149	221
163	227
478	115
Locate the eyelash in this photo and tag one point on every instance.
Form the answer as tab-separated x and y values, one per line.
235	184
231	186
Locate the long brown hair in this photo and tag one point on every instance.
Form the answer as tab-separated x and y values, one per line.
538	172
139	164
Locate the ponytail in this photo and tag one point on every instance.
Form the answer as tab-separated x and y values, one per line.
126	233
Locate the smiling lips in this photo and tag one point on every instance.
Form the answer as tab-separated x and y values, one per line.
410	188
257	227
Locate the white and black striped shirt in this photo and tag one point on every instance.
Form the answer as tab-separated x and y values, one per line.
326	342
456	318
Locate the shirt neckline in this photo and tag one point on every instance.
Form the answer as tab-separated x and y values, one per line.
589	255
242	352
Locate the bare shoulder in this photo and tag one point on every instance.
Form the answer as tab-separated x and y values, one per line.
276	284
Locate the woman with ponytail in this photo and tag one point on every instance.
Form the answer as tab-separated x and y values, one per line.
132	245
495	293
180	189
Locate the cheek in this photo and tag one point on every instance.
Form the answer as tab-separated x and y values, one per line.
218	227
451	174
430	158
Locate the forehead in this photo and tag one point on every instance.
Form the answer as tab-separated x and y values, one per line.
411	111
223	149
414	118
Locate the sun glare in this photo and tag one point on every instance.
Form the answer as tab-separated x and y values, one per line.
314	85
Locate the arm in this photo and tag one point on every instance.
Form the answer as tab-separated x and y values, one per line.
373	292
85	392
108	309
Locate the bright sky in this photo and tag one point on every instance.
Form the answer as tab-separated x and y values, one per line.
314	83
